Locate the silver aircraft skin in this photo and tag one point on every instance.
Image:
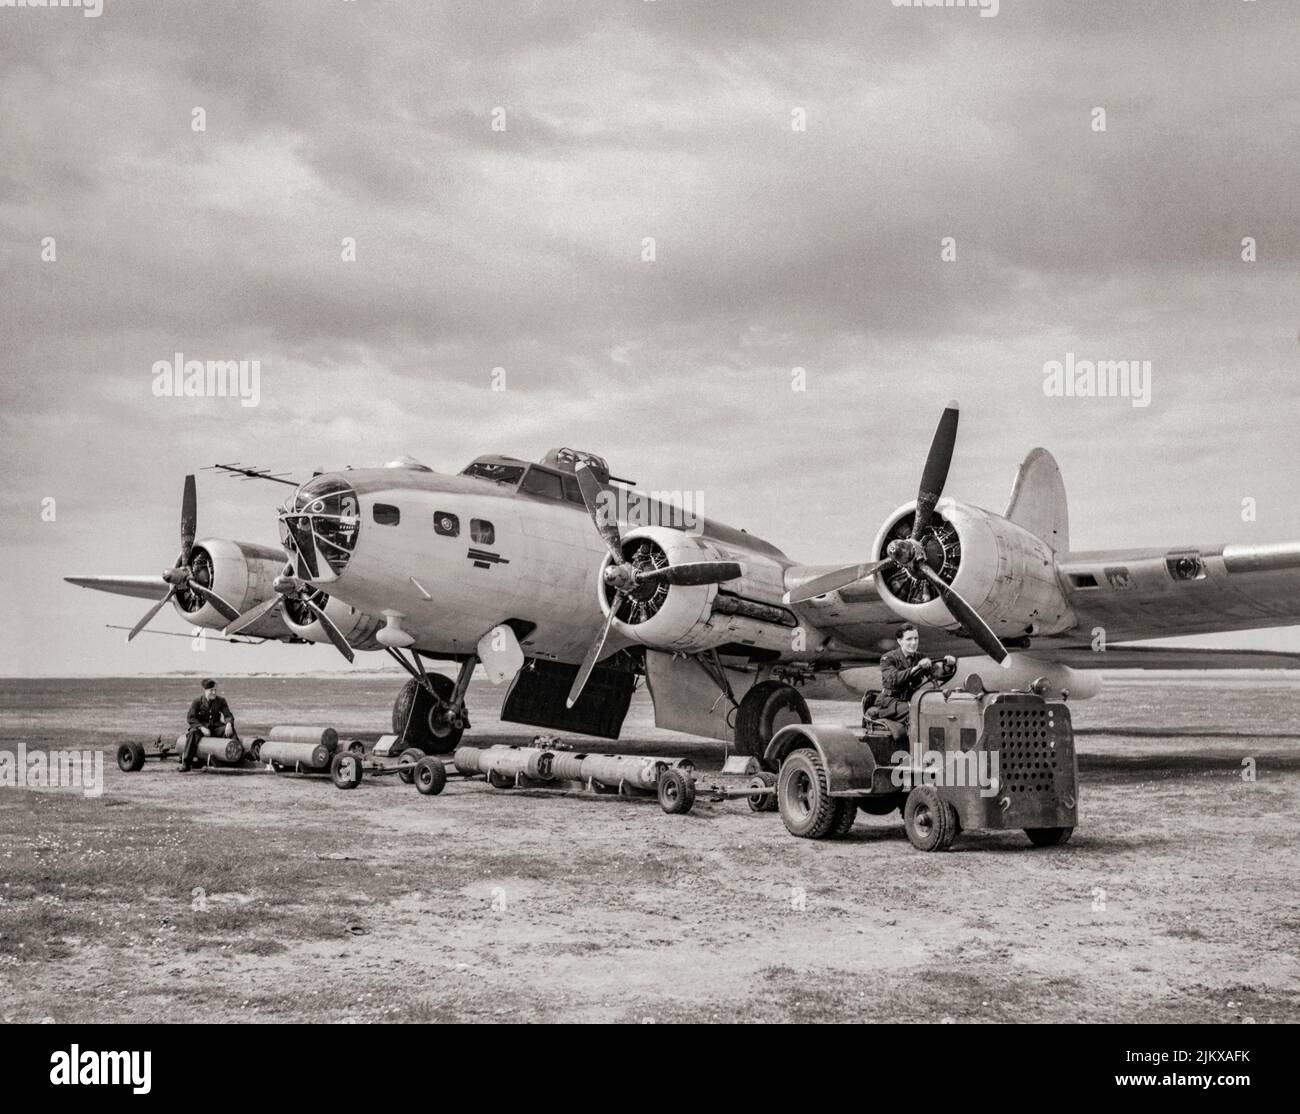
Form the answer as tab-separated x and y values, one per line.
584	570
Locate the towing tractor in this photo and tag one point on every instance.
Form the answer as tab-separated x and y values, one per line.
972	760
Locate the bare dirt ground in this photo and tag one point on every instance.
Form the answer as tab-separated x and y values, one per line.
255	897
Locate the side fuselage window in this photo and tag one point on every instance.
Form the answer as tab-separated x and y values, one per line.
482	531
386	514
446	524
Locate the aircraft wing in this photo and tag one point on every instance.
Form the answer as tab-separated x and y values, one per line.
145	587
1131	595
1165	657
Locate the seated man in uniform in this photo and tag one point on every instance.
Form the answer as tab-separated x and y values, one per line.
209	715
901	674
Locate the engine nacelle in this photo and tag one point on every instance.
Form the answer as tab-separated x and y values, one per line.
1004	572
356	626
241	573
691	618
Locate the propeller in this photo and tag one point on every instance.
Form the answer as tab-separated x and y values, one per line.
286	585
180	577
909	553
627	579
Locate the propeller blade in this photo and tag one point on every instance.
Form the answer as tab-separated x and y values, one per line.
980	632
935	474
335	635
608	527
214	599
248	618
144	622
692	572
189	520
593	656
833	581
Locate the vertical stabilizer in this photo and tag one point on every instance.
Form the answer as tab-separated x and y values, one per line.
1038	500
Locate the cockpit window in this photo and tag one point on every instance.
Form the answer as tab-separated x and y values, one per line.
498	473
544	483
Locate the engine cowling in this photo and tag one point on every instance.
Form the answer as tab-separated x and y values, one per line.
1003	571
356	626
241	573
691	618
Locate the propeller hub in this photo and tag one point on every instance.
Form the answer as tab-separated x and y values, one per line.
622	578
905	551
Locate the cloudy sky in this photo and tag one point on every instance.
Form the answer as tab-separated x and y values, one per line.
523	247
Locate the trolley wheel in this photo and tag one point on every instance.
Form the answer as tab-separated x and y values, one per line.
676	792
255	750
430	776
846	811
406	764
345	770
1048	837
802	794
498	780
930	822
130	757
767	801
357	747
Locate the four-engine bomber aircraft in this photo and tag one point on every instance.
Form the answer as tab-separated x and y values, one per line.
569	585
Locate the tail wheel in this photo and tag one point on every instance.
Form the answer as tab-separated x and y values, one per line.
130	757
930	822
1048	837
764	710
424	716
807	808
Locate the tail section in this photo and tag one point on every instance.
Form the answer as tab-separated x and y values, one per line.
1038	500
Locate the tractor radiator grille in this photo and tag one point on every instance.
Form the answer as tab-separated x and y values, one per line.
1027	740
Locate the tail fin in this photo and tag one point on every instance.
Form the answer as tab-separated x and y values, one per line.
1038	500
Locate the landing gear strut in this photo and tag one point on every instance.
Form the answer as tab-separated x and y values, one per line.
429	713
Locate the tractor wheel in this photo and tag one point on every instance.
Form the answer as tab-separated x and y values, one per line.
846	811
406	765
1048	837
676	792
807	808
430	776
427	729
765	802
930	822
130	757
345	770
764	710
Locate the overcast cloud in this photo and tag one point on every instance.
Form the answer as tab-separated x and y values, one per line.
775	248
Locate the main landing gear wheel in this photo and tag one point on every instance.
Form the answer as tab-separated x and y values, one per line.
807	808
764	710
130	757
428	728
676	792
931	823
430	776
1048	837
345	770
